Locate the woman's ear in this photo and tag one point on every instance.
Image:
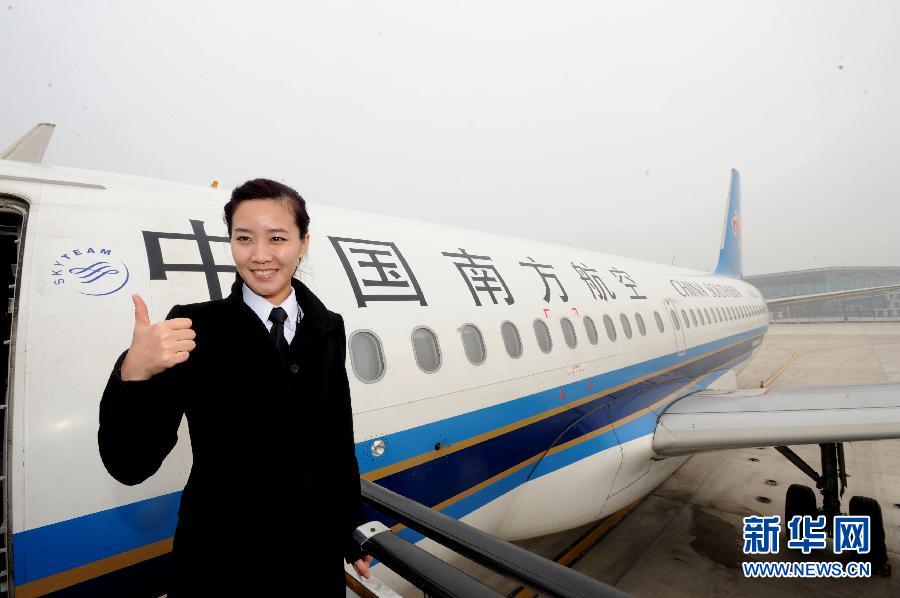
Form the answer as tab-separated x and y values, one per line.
305	246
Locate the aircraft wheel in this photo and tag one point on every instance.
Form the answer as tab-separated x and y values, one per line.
799	500
863	505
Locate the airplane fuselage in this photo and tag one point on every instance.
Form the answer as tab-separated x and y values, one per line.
512	383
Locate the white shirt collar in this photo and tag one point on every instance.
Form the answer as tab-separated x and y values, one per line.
262	307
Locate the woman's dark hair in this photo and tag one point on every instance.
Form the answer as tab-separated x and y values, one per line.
269	189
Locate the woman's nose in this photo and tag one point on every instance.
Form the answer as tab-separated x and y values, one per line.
261	253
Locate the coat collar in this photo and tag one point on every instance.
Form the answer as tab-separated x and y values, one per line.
316	321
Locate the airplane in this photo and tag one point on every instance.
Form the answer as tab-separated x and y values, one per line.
520	386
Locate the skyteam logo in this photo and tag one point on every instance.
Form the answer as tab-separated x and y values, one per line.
90	271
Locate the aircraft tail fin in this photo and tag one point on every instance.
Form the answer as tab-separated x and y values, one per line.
730	261
32	145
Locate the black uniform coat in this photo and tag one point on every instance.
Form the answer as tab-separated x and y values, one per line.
273	494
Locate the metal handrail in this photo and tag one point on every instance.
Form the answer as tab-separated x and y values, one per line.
419	567
499	555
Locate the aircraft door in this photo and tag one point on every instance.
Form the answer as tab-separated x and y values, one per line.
676	325
13	212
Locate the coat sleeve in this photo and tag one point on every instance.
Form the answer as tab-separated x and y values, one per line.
139	419
340	390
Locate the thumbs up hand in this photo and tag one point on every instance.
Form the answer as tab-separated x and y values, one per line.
156	347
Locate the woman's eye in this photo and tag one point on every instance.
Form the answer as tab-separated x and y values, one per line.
279	239
243	238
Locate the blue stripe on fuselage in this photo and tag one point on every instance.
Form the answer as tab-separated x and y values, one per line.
463	469
412	442
57	547
60	546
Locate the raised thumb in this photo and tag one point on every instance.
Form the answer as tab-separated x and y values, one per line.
141	315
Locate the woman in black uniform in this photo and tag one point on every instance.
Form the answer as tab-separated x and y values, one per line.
273	494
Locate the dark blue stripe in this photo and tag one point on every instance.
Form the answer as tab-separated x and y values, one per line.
468	467
148	579
61	546
419	440
53	548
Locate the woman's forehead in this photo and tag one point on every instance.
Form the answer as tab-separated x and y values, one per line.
265	214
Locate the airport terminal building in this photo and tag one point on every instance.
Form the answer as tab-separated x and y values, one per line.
876	308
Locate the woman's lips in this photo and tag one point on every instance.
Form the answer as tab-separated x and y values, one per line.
264	274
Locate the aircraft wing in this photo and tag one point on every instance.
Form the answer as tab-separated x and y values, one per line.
722	419
779	301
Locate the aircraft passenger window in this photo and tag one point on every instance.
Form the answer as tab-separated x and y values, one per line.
640	324
473	344
687	323
700	316
659	323
542	334
693	317
366	356
511	339
675	320
568	332
591	330
718	312
426	349
626	325
610	328
708	319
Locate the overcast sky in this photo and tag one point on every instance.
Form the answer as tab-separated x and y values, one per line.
609	126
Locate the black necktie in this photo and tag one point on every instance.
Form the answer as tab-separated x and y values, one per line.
277	317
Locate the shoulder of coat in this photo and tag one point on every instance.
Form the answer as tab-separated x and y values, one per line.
337	320
204	309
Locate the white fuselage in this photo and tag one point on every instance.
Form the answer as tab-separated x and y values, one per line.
516	445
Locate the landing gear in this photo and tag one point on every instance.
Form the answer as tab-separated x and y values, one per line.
801	500
863	505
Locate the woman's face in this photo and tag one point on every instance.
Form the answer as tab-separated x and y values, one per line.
266	245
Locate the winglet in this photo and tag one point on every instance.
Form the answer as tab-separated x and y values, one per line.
32	145
730	262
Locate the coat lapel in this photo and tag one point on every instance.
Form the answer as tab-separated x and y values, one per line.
317	320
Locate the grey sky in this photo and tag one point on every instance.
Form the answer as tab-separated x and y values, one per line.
610	126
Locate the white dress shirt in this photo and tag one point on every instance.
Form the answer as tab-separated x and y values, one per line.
262	307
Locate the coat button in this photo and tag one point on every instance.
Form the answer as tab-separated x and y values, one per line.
295	368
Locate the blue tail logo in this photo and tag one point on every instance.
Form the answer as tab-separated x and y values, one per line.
730	262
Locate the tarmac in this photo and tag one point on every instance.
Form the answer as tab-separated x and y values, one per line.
685	538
